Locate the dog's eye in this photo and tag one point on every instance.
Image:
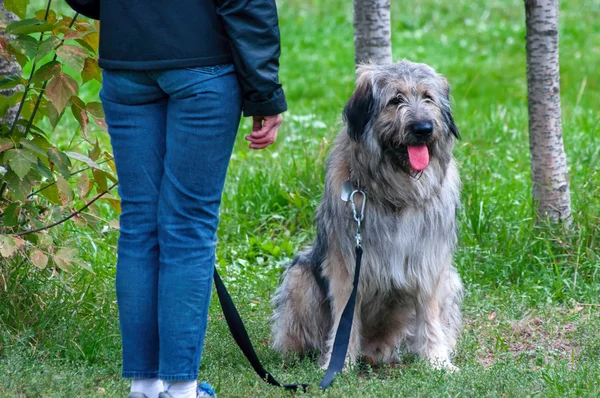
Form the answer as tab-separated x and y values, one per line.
427	97
397	100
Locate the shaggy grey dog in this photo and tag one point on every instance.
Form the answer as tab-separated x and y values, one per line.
396	146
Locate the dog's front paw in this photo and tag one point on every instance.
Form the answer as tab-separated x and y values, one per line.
443	364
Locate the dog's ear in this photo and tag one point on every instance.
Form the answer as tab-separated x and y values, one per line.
447	112
359	109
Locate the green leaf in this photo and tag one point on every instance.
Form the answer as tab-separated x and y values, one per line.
91	71
43	170
41	141
11	214
27	26
19	7
47	46
73	56
50	112
44	240
100	180
84	159
20	161
60	161
18	188
32	146
64	257
10	82
8	246
90	41
95	152
6	144
51	193
24	45
40	14
83	264
65	192
6	103
38	258
83	185
60	90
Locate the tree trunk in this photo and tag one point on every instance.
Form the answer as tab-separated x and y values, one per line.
372	31
549	172
8	68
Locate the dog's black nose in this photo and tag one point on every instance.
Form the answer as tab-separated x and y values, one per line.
421	129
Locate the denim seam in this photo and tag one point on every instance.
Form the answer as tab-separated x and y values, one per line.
139	375
179	377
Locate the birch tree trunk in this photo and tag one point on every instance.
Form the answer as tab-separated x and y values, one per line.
549	172
372	31
8	67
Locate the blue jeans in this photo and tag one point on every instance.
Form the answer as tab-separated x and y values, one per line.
172	133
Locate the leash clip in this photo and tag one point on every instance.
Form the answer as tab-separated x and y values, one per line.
358	216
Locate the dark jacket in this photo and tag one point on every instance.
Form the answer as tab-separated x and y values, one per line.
160	34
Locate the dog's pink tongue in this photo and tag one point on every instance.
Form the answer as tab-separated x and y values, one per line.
418	157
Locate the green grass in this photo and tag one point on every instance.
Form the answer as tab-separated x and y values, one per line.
524	332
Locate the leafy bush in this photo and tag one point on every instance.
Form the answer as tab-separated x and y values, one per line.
42	185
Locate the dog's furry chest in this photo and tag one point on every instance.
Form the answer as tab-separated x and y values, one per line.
409	250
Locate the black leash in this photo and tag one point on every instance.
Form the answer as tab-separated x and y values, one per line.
342	335
240	335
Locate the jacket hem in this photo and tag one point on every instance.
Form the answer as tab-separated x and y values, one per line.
164	64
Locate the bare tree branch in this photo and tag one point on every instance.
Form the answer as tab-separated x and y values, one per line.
70	215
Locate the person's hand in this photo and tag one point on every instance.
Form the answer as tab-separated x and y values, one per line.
264	131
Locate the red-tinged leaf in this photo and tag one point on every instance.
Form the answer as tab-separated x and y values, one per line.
8	246
60	90
80	114
46	47
102	124
73	56
95	109
83	185
6	144
46	72
91	71
38	258
74	34
4	49
65	192
27	26
19	7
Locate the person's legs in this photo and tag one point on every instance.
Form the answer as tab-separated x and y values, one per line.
202	120
136	109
